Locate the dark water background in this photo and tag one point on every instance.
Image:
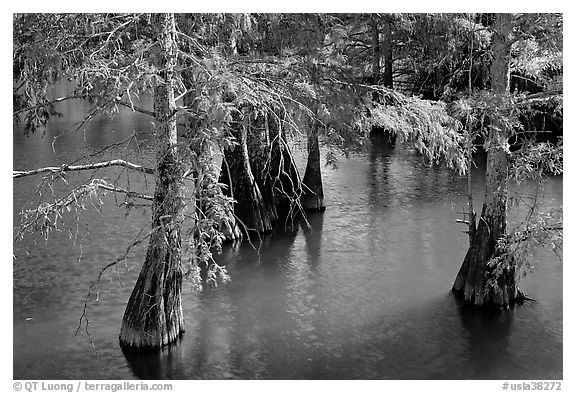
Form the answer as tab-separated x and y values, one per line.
363	294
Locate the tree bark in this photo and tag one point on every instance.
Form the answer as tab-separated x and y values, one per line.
376	55
313	195
376	77
237	173
282	175
387	52
259	146
153	316
471	280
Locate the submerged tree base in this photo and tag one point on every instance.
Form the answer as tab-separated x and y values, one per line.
387	135
312	203
153	316
163	363
518	300
482	280
131	339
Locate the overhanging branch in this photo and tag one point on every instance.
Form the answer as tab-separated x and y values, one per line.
131	194
136	108
527	234
46	216
47	103
542	96
86	167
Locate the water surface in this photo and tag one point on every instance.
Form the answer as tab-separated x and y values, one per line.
363	293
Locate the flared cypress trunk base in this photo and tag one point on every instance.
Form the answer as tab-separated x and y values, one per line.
313	195
312	204
252	213
153	316
132	339
313	198
471	284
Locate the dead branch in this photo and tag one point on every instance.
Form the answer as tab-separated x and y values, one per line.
46	215
542	96
135	108
131	194
70	168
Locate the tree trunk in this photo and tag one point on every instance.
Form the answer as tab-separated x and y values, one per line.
313	197
375	36
153	316
471	280
283	176
237	173
204	173
376	77
387	52
258	142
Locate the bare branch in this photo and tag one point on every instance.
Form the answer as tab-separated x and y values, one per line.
542	96
70	168
46	216
131	194
136	109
